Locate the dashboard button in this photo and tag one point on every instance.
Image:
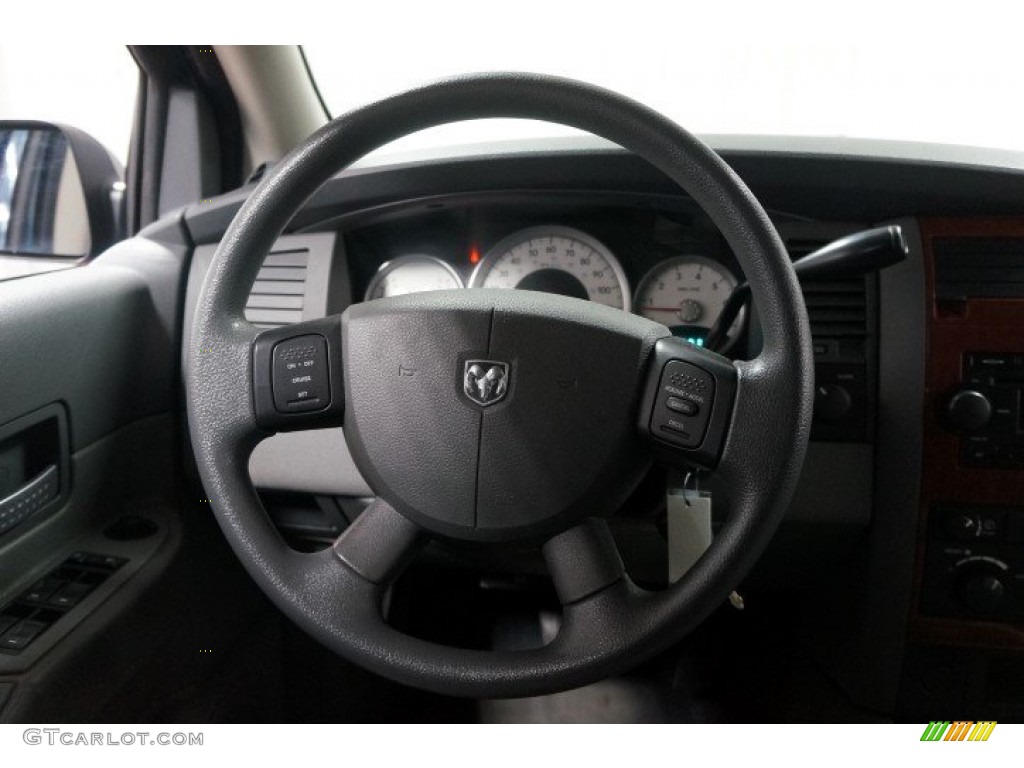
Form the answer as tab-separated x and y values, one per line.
974	523
990	363
980	454
963	526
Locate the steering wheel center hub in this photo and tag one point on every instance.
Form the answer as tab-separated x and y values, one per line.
495	415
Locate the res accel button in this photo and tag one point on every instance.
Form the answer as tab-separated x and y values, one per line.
681	405
300	379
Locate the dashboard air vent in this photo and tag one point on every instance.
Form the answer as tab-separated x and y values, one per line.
979	267
279	293
836	307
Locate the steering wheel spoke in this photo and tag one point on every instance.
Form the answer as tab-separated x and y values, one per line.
687	405
583	561
297	378
379	544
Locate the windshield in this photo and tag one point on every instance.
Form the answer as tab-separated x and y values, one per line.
917	87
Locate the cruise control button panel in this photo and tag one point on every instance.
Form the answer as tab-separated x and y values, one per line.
296	376
300	378
683	404
687	402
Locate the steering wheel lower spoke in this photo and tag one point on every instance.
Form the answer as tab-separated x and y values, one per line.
583	561
379	544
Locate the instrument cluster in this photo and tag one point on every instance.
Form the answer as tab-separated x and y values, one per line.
684	287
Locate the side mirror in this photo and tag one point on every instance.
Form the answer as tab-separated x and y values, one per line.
61	192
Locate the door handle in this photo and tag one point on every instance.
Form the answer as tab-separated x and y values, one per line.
30	498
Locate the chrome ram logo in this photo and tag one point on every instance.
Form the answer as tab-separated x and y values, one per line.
485	382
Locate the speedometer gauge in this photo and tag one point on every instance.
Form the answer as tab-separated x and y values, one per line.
412	274
687	294
555	260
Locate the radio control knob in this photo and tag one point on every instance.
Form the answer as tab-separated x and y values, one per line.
968	410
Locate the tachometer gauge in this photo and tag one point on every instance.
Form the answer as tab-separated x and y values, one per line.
687	294
412	274
555	260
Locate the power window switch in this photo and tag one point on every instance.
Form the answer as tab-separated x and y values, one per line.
71	595
19	636
42	589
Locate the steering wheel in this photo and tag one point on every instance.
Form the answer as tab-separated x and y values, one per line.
500	418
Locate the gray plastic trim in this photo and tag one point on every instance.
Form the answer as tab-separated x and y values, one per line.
317	461
892	538
868	619
89	338
835	485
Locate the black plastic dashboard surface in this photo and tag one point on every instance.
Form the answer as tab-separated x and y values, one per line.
814	185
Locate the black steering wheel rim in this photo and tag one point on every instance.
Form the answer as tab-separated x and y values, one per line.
611	628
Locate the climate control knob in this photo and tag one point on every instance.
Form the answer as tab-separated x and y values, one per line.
980	585
968	410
